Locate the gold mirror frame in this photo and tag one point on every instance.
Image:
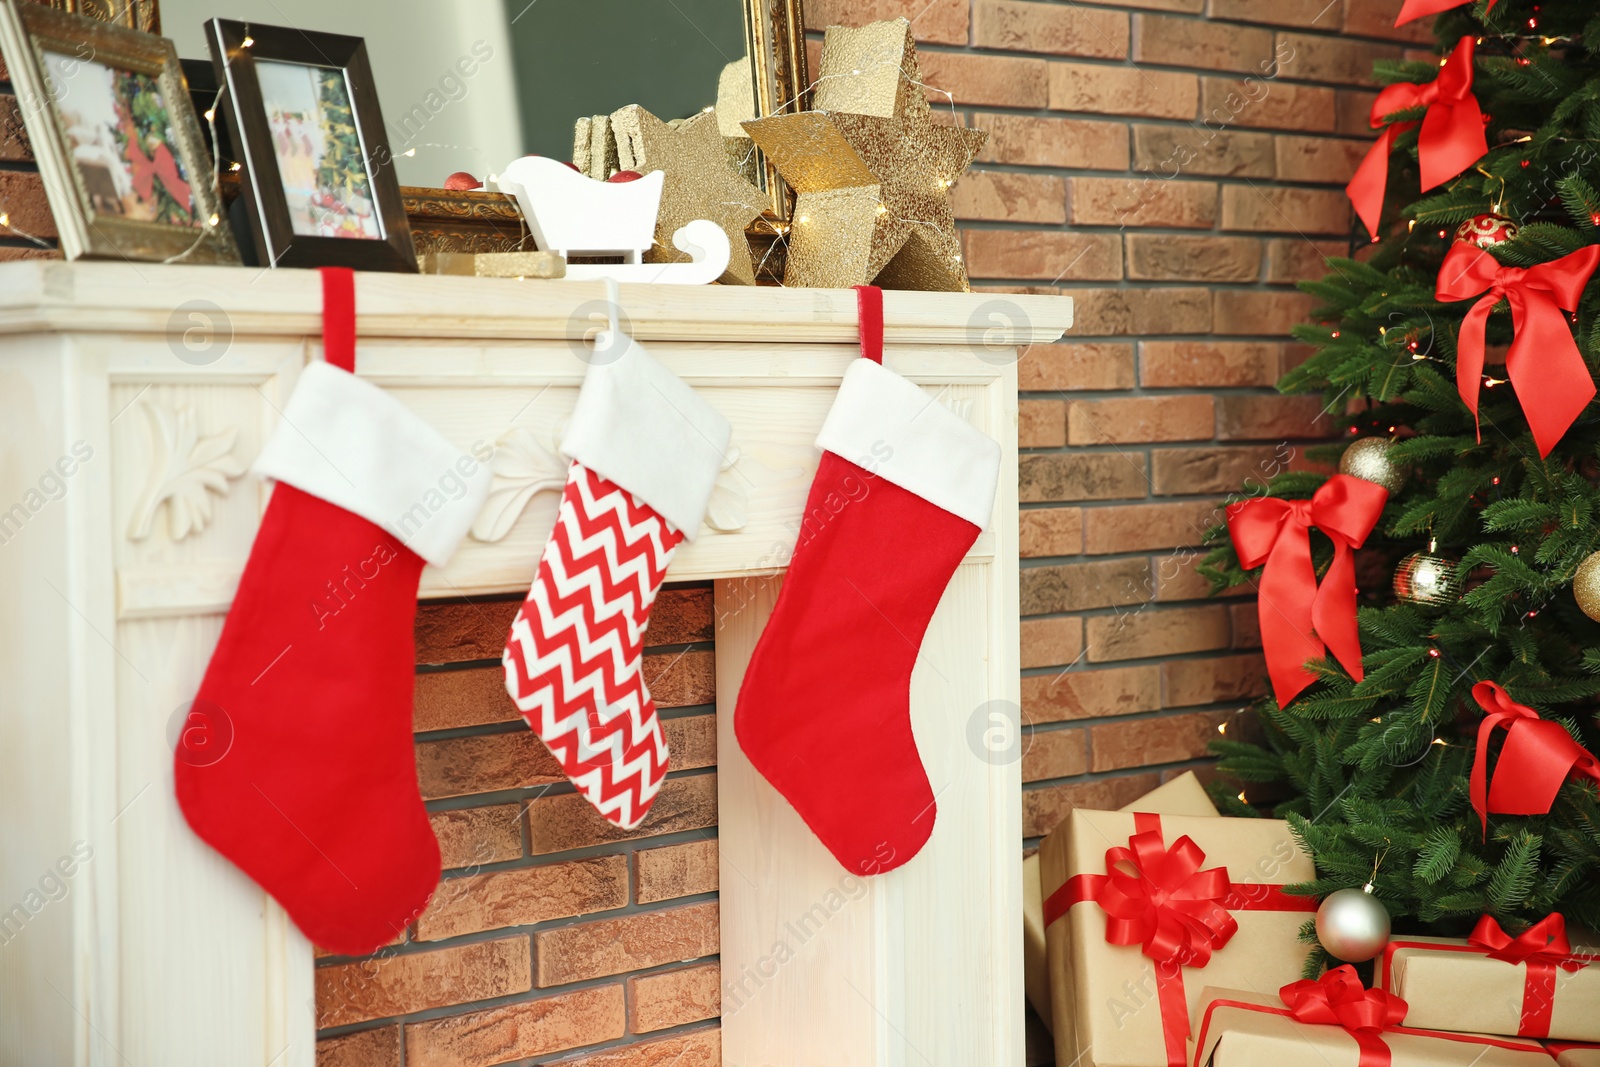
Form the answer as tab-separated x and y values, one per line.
141	15
776	32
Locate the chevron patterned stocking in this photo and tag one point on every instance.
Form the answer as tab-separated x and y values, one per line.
646	452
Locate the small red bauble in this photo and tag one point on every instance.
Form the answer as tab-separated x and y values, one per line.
461	180
1486	231
625	176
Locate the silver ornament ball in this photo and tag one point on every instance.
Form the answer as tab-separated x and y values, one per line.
1424	578
1353	925
1368	459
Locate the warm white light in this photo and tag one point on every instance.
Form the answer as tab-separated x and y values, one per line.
804	218
248	42
5	218
213	220
234	168
211	113
409	152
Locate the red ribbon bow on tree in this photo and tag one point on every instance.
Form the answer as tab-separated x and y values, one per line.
1543	947
1416	9
1301	620
1537	758
1339	999
1554	398
1452	136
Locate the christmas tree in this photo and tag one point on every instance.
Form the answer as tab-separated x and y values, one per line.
1484	535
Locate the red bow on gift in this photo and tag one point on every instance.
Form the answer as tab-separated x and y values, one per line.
1339	999
146	170
1160	899
1535	761
1301	620
1451	140
1416	9
1543	947
1552	399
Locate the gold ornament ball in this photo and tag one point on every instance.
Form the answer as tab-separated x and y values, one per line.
1368	459
1353	925
1424	578
1586	586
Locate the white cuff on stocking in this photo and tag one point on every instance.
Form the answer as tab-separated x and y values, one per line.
888	426
350	443
637	424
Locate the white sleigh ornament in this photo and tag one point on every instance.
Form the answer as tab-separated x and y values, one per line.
572	214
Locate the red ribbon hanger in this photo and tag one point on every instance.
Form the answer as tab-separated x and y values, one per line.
1416	9
339	317
1339	999
1159	898
1536	760
1550	377
1452	137
1301	620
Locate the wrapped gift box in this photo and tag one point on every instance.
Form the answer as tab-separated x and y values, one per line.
1128	1004
1238	1029
1574	1055
1184	795
1454	984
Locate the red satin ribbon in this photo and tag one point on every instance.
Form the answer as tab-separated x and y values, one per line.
339	317
1553	398
1543	947
1159	898
1301	620
146	170
1416	9
1537	758
1452	137
1339	999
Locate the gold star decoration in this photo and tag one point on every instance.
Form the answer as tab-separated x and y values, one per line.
871	168
700	182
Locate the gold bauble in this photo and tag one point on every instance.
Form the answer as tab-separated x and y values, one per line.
1586	586
1368	459
1424	578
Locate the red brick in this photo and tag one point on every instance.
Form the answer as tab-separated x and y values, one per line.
1355	112
1285	210
1258	418
26	204
1050	254
1002	81
1168	151
517	1031
472	837
1304	13
1082	144
1193	7
1328	59
1142	201
365	1048
1294	259
1188	682
1082	586
1259	313
565	821
1375	18
1041	423
1043	808
524	896
695	1048
673	998
692	740
1143	312
1329	160
1095	476
464	631
1096	694
1003	196
1207	364
681	679
1146	742
1131	420
1133	527
1262	104
1051	532
1065	31
679	617
675	871
11	254
1102	90
1156	632
631	943
1193	258
1051	642
1075	367
1177	577
1190	43
938	21
398	985
14	144
1054	754
449	699
1246	625
483	764
1211	469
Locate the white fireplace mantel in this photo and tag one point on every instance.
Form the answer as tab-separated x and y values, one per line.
133	399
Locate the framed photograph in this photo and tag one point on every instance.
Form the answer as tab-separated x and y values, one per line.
317	179
115	135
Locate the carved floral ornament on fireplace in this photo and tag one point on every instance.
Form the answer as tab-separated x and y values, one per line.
164	953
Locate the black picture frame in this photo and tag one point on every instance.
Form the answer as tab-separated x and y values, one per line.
236	49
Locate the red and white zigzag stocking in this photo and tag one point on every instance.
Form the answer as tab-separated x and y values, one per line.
646	451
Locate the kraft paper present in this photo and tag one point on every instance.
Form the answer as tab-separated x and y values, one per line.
1234	1028
1452	986
1568	1055
1114	1005
1184	795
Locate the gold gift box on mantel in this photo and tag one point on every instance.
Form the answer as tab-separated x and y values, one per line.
1234	1028
1184	795
1114	1005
